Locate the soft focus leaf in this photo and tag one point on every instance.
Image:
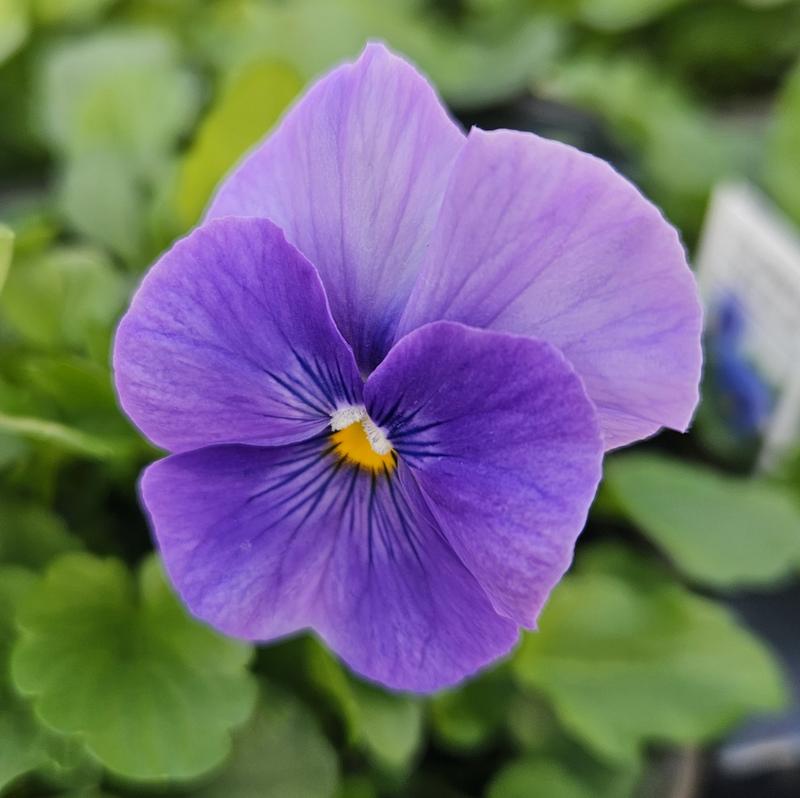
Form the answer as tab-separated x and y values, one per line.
471	716
53	12
22	746
66	298
356	787
31	535
533	776
14	27
680	151
100	199
623	14
103	654
280	752
387	726
79	392
6	248
248	107
391	726
326	673
531	723
26	745
626	656
119	90
61	436
782	169
722	531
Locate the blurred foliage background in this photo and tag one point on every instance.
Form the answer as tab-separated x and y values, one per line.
117	118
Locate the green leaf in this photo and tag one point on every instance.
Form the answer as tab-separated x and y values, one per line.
67	297
100	198
280	752
14	27
103	654
357	787
391	726
387	726
531	723
556	778
117	90
719	530
57	12
327	674
782	166
22	749
62	437
32	535
627	657
26	745
247	108
471	716
614	15
680	151
6	249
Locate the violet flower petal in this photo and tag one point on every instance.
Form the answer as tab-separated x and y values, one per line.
505	446
260	542
354	175
539	239
229	340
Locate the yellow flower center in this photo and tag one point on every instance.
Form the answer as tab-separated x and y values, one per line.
354	445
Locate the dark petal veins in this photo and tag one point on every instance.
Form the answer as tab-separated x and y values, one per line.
229	340
505	447
262	542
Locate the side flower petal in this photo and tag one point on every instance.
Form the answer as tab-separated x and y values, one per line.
229	340
261	542
505	446
354	175
537	238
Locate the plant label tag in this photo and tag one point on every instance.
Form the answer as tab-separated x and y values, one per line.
749	274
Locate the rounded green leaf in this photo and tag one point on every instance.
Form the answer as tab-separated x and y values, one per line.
21	750
153	693
626	656
26	745
719	530
280	752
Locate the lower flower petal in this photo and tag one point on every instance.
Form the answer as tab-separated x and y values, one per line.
505	446
395	601
261	542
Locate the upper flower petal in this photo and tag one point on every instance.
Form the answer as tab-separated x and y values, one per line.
229	339
540	239
260	542
504	444
354	175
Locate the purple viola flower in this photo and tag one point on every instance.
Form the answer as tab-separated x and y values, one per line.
387	367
